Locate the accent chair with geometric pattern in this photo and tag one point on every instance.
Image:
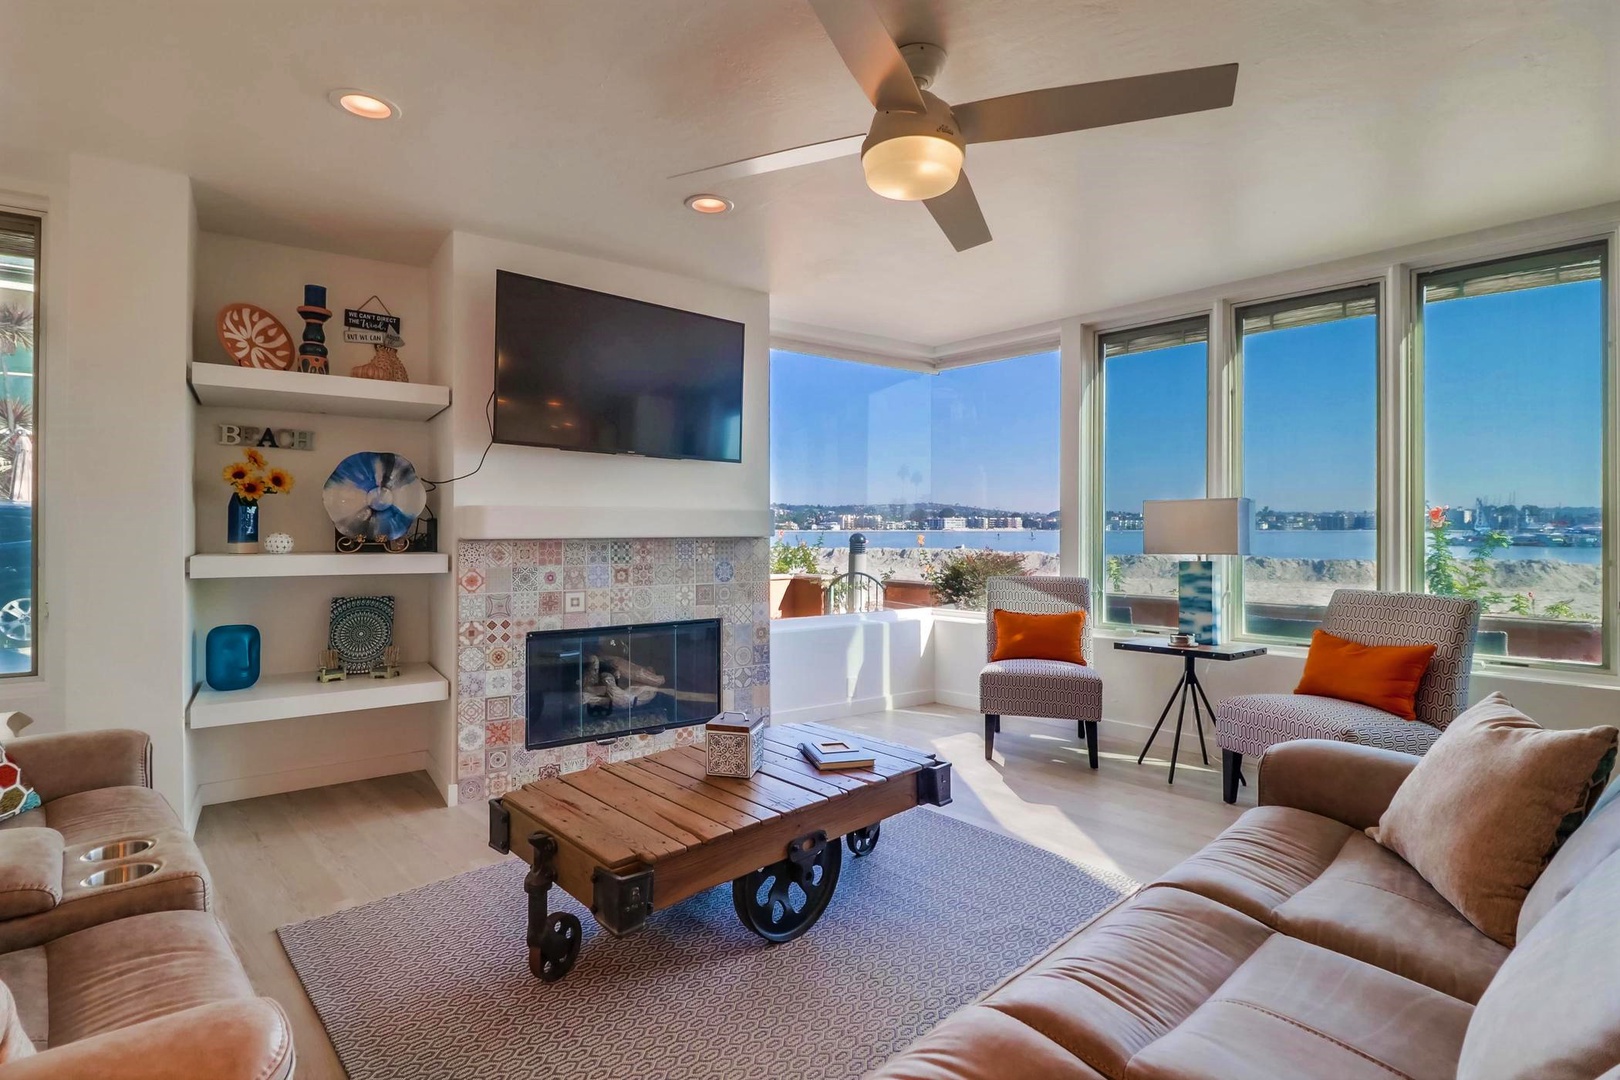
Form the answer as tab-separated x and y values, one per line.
1052	689
1250	723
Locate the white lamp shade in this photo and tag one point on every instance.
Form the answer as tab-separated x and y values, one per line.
1196	526
912	167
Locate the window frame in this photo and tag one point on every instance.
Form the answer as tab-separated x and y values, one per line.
34	222
1096	570
1415	435
1232	565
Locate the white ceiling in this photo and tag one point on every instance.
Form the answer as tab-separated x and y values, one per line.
1358	125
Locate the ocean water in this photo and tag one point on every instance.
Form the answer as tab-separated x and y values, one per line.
1279	544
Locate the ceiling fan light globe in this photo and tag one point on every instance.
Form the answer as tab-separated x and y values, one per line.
912	168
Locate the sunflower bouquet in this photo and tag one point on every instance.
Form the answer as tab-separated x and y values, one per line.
254	477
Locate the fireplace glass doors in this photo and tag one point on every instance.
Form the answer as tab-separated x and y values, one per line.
604	681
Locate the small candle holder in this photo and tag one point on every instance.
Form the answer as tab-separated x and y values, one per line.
331	669
388	666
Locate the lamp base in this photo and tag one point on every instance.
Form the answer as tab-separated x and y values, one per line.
1199	616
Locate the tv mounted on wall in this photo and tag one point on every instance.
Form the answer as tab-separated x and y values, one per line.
577	369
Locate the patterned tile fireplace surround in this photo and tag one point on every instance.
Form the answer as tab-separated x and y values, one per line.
506	588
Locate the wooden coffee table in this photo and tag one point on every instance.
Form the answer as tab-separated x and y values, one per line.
631	838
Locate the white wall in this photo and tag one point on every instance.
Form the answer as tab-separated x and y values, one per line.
839	665
118	349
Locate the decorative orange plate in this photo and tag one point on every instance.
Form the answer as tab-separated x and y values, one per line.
253	337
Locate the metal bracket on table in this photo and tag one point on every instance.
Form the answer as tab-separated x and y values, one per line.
621	902
934	784
804	851
500	827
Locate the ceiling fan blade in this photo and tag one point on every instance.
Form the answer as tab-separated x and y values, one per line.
1097	104
808	154
858	33
958	215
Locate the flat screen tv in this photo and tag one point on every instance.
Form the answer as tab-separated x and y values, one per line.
582	370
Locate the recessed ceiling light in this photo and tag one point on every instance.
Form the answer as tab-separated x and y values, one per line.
361	104
708	204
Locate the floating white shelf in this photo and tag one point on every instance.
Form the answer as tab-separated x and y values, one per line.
278	697
317	564
297	391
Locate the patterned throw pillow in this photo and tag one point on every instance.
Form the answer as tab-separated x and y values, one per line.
15	795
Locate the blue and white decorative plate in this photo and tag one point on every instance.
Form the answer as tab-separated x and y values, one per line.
374	497
361	628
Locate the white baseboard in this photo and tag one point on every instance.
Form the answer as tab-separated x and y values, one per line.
811	714
338	772
442	780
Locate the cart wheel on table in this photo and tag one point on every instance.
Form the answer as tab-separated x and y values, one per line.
781	901
558	950
862	841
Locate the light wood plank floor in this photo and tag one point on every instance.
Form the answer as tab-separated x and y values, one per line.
287	858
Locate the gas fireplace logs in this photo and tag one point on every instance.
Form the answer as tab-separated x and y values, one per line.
610	681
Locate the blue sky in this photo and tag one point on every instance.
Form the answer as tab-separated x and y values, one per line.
1513	393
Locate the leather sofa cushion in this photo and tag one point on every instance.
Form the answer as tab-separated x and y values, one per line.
1597	838
122	973
1553	1011
1294	1010
30	871
1325	883
14	1041
112	813
977	1043
23	974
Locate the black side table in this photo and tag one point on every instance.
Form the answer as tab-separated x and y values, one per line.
1189	686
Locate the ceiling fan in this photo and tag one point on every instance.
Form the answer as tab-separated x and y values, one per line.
916	145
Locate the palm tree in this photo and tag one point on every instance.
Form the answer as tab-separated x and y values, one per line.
16	415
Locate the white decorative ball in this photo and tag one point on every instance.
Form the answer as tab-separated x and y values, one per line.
277	544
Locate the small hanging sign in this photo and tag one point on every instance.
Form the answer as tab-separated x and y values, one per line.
265	438
362	327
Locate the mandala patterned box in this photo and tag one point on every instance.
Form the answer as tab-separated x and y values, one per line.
736	743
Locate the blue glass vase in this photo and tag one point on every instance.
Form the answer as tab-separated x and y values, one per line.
242	526
231	657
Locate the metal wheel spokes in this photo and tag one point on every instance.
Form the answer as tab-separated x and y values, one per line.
559	949
862	841
16	620
781	901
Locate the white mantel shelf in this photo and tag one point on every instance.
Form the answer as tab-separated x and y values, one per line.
593	522
297	391
280	697
317	564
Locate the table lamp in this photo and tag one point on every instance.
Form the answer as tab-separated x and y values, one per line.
1197	527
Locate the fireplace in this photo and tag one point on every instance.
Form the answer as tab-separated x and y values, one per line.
602	682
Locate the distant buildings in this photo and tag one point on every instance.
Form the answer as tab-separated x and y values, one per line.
947	524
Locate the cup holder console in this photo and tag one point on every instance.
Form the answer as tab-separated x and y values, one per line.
122	849
119	875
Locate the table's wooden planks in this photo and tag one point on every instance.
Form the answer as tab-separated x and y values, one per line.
613	837
886	763
719	794
792	762
691	797
766	790
672	819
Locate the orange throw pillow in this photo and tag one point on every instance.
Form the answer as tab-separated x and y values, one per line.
1383	676
1039	637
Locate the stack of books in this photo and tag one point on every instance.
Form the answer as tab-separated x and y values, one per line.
832	754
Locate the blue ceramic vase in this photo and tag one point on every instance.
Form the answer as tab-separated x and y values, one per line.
231	657
242	526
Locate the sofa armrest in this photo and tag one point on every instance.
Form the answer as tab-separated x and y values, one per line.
1344	781
74	761
244	1039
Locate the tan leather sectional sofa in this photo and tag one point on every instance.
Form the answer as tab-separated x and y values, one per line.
133	979
1293	947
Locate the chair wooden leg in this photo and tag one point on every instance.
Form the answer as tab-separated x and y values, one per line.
1090	727
1231	774
992	724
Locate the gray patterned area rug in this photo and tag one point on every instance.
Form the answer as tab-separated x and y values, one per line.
434	982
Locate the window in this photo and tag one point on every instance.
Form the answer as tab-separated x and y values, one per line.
1309	455
1513	370
19	276
1155	425
948	475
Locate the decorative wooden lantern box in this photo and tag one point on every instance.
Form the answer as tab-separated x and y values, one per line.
736	744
